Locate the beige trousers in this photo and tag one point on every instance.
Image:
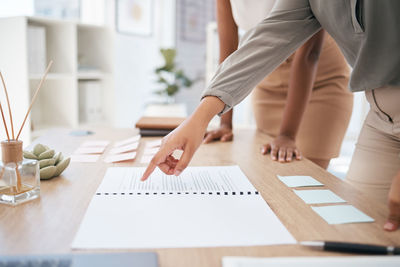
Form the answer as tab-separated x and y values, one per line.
376	159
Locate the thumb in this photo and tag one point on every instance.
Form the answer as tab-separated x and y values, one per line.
183	161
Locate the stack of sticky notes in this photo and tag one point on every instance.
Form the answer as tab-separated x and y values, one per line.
123	150
332	214
150	149
89	151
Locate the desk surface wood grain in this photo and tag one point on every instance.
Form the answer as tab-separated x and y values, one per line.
49	224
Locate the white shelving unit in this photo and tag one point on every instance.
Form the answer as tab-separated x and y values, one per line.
80	53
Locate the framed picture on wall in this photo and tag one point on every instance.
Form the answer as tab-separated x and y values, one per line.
192	20
134	17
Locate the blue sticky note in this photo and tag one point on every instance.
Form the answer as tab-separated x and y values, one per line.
318	196
299	181
342	214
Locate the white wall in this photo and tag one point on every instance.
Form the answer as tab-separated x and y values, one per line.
136	57
10	8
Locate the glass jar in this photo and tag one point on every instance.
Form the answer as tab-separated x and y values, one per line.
19	177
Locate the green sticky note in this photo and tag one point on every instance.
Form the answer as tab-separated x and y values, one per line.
342	214
318	196
299	181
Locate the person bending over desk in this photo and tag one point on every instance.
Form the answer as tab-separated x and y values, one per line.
367	31
297	79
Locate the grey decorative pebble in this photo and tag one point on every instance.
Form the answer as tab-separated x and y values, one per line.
29	155
61	166
39	149
47	154
46	162
47	172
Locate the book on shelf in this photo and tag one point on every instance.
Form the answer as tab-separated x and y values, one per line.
90	102
36	36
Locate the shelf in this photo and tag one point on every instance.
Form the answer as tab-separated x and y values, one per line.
51	76
92	75
81	53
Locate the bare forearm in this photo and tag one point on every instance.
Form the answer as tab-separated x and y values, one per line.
228	42
226	119
208	108
301	83
227	29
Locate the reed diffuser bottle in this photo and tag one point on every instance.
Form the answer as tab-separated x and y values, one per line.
19	177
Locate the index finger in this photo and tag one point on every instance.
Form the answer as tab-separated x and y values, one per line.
157	159
149	170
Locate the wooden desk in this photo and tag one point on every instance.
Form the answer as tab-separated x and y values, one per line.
49	224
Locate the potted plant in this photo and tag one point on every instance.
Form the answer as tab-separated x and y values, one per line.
170	77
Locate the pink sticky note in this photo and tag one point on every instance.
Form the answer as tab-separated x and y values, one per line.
89	150
85	158
123	149
151	151
128	141
146	159
155	143
120	157
95	143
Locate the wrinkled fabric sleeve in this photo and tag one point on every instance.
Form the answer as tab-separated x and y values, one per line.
263	48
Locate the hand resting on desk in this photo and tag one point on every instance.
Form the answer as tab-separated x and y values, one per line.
282	148
223	133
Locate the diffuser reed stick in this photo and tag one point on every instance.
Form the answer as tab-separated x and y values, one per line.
8	103
34	97
4	121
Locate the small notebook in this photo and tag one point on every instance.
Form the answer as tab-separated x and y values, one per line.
203	207
157	126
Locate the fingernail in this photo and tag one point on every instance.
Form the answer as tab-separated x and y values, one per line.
388	226
177	172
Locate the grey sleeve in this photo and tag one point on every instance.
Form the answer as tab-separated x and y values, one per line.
289	25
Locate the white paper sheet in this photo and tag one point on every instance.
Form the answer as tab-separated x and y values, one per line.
89	150
123	149
151	151
128	141
193	179
155	143
85	158
120	157
167	221
146	159
95	143
367	261
127	213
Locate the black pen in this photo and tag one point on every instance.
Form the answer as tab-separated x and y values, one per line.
352	247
